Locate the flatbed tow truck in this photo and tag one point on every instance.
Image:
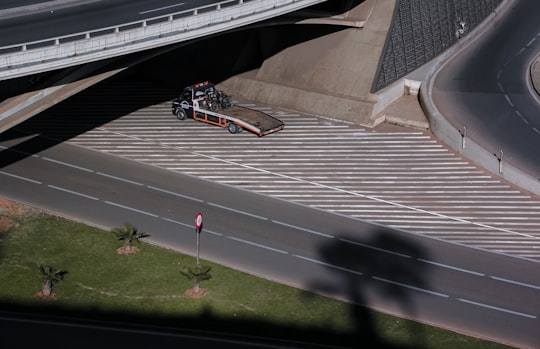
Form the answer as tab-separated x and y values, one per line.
203	102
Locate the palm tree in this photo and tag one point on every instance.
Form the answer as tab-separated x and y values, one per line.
128	233
51	276
196	275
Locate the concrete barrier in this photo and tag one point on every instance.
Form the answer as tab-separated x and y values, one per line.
60	52
457	139
535	75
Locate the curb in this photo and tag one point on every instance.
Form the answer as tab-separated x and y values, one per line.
535	75
456	139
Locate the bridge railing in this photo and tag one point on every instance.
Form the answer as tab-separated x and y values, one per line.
83	47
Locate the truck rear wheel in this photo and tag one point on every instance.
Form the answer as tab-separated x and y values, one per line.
181	114
234	128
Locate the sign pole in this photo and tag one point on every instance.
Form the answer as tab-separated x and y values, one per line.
198	229
198	238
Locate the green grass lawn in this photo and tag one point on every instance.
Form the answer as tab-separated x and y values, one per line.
147	287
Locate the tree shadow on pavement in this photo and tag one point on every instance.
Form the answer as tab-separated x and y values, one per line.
361	268
378	272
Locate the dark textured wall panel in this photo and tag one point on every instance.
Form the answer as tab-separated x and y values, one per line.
421	30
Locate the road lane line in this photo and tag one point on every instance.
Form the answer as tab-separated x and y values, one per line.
177	222
174	193
411	287
21	178
450	267
357	194
189	226
257	245
161	8
328	265
73	192
238	211
19	151
521	116
497	308
206	231
67	164
304	229
515	282
119	178
190	145
508	100
375	248
131	209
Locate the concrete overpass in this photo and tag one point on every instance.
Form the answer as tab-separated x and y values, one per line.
351	74
86	57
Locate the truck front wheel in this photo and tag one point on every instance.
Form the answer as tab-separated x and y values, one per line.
181	114
234	128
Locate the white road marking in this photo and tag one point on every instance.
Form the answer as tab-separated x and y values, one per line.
131	208
67	164
177	222
161	8
304	229
20	177
237	211
521	117
257	245
73	192
497	308
119	178
450	267
375	248
174	193
406	176
516	282
438	294
509	100
333	266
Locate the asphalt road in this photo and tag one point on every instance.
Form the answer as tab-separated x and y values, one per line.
456	287
39	21
463	289
486	89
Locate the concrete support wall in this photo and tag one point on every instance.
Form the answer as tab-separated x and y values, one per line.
421	30
354	73
330	75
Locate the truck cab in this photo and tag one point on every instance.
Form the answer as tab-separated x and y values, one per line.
204	95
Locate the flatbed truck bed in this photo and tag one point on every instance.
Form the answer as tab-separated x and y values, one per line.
204	103
253	120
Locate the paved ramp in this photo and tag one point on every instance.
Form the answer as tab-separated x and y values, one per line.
394	176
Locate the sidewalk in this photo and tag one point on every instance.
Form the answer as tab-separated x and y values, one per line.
406	112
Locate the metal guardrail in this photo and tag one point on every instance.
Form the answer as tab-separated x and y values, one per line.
83	47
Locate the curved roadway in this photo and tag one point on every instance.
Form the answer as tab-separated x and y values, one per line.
464	289
486	88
